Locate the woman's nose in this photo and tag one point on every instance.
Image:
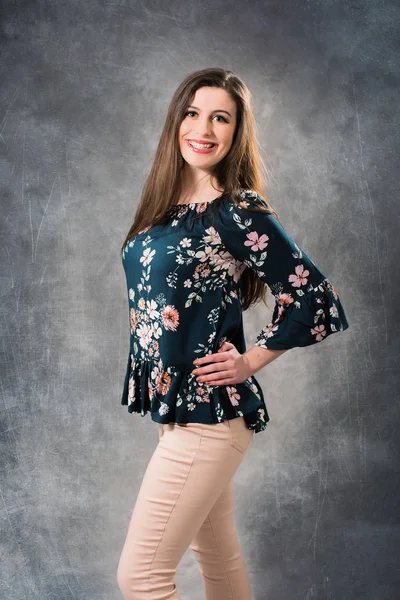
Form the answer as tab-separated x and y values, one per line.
203	128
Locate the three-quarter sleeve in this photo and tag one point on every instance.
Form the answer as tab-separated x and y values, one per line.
307	307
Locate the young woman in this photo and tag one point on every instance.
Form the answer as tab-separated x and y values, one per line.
202	248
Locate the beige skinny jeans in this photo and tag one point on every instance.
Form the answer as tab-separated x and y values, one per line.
186	500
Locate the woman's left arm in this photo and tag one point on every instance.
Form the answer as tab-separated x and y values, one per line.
307	306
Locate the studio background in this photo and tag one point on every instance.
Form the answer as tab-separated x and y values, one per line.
83	97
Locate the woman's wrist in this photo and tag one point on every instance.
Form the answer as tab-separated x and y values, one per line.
256	357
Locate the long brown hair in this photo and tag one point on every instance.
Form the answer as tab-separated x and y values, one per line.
239	169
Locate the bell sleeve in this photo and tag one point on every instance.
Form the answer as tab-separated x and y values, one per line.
307	306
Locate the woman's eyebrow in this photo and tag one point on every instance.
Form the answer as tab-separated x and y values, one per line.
216	110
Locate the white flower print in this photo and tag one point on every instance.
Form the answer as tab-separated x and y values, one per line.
156	330
143	331
147	256
207	254
233	267
164	408
152	309
212	237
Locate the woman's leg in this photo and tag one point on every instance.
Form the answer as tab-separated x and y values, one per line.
216	548
190	468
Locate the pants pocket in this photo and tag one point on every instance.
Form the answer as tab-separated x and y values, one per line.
240	434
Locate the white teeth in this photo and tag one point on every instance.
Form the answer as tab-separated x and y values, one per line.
195	145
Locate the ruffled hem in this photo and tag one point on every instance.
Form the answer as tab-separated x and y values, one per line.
317	314
172	394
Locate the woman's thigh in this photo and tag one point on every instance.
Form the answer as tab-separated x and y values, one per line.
187	472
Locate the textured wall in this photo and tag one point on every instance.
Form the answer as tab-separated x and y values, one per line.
83	96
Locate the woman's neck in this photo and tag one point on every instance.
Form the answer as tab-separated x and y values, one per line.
200	191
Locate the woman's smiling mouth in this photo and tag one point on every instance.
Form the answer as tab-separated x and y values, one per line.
201	148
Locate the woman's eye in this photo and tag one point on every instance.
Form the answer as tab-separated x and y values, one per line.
221	117
192	112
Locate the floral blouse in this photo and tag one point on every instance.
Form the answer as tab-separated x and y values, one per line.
183	282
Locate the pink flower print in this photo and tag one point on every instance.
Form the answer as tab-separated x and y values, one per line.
202	392
163	382
234	397
147	256
225	262
156	371
212	236
131	392
170	318
267	332
206	254
153	349
300	278
281	312
284	299
333	311
186	242
187	283
319	331
257	242
132	318
243	204
253	388
269	329
201	271
200	206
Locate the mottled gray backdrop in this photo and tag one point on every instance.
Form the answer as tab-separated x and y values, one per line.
84	91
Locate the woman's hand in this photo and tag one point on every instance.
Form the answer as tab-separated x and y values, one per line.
227	367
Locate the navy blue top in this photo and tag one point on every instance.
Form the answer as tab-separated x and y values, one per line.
183	281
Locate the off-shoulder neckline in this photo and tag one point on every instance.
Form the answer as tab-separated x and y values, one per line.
185	208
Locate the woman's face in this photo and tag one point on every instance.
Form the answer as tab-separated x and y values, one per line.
210	118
